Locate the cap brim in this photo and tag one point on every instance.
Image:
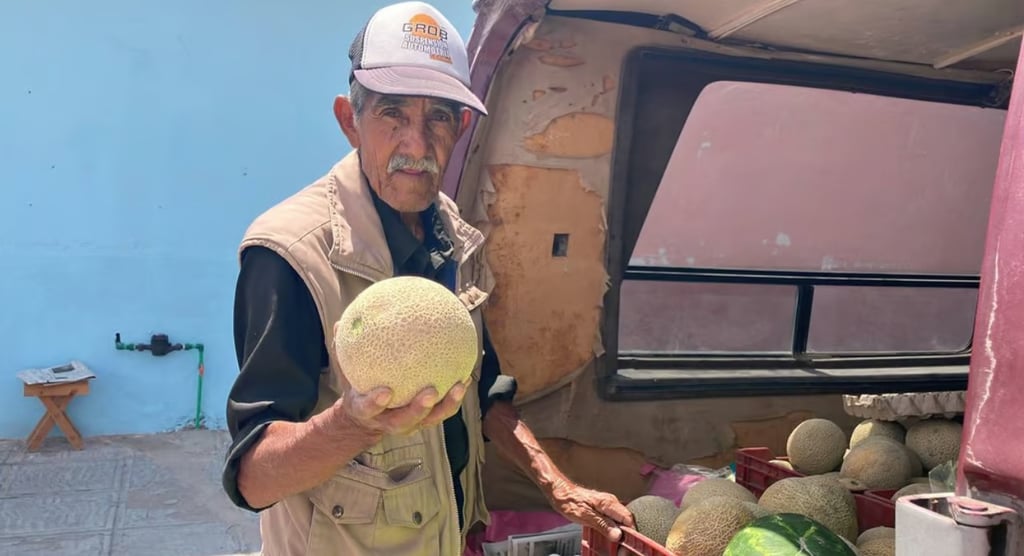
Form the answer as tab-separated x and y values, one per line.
414	81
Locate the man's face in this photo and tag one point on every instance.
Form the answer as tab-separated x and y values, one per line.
404	144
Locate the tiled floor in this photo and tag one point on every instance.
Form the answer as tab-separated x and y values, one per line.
147	495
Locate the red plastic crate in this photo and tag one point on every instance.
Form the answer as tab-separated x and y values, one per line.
883	494
633	543
753	471
874	511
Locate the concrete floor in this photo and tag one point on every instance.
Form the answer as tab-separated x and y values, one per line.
122	495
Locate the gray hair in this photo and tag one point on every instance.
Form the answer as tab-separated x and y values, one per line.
357	96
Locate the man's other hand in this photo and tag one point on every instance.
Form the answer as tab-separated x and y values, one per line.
599	510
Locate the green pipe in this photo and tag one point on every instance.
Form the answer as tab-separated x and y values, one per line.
199	387
119	345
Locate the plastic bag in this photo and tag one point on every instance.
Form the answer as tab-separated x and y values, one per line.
673	483
943	477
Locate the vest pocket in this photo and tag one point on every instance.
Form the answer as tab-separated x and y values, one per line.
347	502
361	510
400	473
387	456
412	506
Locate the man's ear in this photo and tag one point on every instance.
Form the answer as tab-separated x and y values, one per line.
467	118
346	117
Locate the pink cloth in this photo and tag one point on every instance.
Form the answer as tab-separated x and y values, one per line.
668	483
505	523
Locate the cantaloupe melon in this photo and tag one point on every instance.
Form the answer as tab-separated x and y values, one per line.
935	441
879	463
916	467
874	427
782	463
654	516
878	547
406	333
705	528
820	498
876	533
757	510
816	446
716	486
852	485
911	490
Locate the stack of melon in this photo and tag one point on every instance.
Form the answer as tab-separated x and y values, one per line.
815	513
719	517
878	455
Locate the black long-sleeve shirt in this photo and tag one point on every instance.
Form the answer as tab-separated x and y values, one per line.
281	349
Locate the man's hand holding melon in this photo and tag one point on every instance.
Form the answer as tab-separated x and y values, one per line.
407	348
370	411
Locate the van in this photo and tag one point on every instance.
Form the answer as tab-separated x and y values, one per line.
710	221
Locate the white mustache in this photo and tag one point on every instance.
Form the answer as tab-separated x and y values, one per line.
402	162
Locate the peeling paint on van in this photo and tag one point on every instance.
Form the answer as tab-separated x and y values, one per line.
575	135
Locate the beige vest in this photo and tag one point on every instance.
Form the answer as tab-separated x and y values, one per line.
397	498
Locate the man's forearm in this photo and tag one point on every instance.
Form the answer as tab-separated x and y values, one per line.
516	442
294	457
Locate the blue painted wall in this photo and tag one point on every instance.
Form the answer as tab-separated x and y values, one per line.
137	141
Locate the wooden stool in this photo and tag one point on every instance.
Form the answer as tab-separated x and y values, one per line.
55	397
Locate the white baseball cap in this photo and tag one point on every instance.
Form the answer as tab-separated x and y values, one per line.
410	48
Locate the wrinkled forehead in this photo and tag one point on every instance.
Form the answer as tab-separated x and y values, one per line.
402	101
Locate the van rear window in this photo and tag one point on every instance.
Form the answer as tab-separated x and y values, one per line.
774	195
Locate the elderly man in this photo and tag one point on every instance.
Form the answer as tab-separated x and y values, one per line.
330	469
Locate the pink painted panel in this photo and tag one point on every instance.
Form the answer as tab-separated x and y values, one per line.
992	456
790	178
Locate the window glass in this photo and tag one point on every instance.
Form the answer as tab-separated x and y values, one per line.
886	319
688	317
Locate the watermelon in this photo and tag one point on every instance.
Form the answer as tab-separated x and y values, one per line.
787	534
